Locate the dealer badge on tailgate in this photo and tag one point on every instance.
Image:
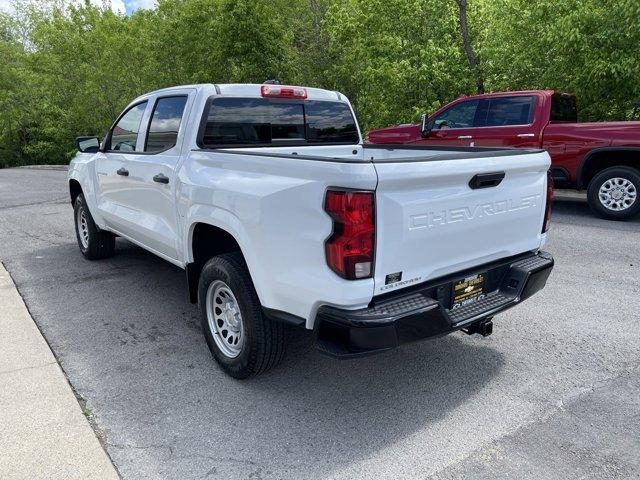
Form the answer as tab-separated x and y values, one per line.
468	290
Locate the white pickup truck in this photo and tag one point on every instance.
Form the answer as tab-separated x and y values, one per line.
279	214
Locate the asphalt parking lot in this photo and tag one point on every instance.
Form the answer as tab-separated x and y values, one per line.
553	393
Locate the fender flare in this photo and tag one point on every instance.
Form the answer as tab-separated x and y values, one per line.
224	220
84	173
583	162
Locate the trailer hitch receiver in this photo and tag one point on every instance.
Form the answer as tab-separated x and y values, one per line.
483	327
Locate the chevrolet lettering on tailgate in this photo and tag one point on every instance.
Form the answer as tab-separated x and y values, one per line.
456	215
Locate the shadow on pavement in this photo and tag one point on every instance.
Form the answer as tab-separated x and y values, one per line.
131	344
577	210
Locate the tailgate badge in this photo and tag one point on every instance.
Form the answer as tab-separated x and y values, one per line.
393	278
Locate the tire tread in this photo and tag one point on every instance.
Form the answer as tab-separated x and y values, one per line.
101	244
597	208
269	336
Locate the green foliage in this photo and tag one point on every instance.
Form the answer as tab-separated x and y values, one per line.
395	58
589	47
69	70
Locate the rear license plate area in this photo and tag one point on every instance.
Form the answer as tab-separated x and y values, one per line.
468	290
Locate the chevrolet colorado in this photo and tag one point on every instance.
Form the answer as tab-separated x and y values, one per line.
267	198
603	157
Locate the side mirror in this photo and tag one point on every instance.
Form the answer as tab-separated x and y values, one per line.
425	126
88	144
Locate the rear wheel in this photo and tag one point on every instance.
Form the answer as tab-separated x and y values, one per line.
93	242
240	338
613	193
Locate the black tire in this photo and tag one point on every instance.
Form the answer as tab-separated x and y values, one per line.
596	203
99	244
263	340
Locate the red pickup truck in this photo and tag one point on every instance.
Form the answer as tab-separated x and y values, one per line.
602	157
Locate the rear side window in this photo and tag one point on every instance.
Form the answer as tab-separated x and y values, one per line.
261	121
165	123
125	133
503	111
563	108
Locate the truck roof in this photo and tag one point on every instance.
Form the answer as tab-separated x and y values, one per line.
248	90
509	93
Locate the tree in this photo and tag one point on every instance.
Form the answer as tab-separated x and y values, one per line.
588	47
69	70
474	60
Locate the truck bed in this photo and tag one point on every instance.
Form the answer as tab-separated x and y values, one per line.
430	219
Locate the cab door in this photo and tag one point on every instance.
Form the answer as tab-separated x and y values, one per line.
507	121
111	168
152	176
454	126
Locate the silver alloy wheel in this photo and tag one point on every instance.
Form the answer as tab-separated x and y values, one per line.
617	194
83	228
225	319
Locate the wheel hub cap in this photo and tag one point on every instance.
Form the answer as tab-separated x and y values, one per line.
225	319
83	228
617	194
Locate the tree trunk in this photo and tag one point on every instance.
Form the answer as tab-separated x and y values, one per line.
474	60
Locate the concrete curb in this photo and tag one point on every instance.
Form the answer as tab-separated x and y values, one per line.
44	433
46	167
563	194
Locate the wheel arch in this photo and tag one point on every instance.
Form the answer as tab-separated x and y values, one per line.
206	239
75	189
599	159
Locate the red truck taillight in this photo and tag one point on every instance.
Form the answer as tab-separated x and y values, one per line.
547	208
350	248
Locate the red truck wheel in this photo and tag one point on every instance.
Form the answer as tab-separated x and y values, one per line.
613	193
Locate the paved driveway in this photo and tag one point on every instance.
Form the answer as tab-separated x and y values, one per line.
553	393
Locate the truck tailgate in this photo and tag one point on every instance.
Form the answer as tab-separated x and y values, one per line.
430	222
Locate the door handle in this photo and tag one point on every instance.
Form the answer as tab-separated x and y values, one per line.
526	135
486	180
123	171
465	137
556	147
160	178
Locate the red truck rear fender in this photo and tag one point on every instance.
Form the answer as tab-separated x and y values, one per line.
598	159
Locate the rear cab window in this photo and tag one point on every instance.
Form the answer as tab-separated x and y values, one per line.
234	121
563	108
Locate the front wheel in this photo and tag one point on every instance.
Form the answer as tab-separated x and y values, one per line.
240	338
93	242
613	193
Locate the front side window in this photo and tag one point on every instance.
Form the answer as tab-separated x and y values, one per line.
125	133
504	111
461	115
165	123
262	121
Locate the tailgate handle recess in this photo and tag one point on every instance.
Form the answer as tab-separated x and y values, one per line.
486	180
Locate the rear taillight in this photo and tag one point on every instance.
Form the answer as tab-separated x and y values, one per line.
350	248
547	208
283	91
